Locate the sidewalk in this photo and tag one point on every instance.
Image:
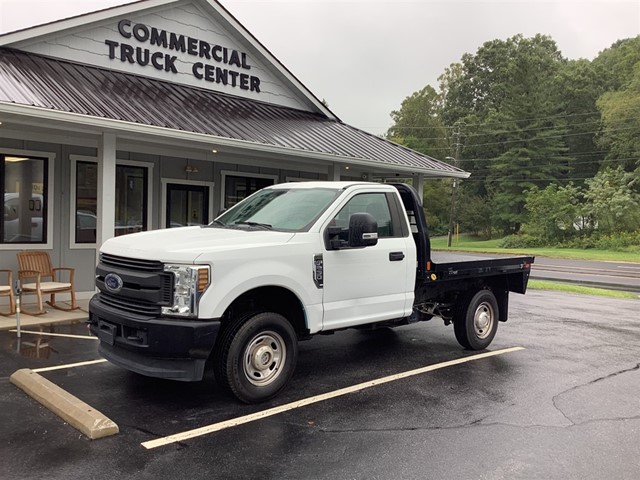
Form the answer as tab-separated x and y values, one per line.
53	316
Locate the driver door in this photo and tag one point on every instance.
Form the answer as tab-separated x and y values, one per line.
368	284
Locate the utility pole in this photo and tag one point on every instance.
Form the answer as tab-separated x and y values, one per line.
455	159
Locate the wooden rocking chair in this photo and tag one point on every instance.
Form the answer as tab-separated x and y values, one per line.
36	265
7	291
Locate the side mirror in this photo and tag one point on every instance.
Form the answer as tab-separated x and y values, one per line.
363	230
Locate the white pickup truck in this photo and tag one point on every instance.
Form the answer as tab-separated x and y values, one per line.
291	261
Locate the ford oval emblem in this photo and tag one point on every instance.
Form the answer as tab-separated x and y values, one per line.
113	282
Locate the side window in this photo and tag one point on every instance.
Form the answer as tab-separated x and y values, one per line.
374	204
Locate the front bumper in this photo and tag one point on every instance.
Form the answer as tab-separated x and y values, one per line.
156	347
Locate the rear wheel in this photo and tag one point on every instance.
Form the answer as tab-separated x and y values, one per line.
256	356
476	321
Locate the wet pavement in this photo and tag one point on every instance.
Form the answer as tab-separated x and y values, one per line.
567	406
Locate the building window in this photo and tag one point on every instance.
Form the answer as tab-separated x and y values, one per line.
24	186
239	187
131	200
86	201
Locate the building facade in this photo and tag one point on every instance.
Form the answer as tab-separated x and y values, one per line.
159	114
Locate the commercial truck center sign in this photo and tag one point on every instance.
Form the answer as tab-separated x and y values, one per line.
216	64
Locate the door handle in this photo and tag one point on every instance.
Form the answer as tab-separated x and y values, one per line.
396	256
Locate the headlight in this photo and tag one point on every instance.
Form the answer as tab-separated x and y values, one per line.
189	282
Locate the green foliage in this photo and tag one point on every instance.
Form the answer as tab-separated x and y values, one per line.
613	200
521	240
621	123
417	123
506	92
616	64
475	214
615	242
437	202
553	145
554	213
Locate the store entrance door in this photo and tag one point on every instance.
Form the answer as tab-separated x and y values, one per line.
187	205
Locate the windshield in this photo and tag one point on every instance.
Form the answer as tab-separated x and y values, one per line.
279	209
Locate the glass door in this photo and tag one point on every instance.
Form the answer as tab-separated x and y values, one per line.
187	205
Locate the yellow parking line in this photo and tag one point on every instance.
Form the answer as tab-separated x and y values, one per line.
178	437
68	335
69	365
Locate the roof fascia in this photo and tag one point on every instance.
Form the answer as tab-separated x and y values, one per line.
125	129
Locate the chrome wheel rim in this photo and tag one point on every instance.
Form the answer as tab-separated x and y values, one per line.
264	357
483	320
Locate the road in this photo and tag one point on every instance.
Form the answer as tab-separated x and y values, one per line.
565	405
620	276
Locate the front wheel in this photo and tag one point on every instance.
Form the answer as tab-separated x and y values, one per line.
256	356
476	321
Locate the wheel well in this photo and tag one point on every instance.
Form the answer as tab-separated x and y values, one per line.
469	289
270	299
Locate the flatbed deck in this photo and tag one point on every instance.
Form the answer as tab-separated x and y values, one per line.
451	266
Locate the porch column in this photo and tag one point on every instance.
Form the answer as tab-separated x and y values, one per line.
334	172
106	188
418	184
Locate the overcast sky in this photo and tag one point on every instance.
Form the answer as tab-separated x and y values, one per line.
364	56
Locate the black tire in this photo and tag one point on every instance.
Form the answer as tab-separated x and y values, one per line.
255	356
476	320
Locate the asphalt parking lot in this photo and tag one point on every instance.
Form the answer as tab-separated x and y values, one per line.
565	406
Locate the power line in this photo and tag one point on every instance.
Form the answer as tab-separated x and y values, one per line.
558	116
468	135
591	162
504	142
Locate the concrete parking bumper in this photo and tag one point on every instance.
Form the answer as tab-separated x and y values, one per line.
74	411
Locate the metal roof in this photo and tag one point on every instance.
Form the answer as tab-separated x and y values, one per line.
38	81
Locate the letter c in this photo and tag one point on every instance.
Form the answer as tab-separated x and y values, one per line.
121	25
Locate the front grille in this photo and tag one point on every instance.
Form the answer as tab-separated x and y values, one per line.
130	305
131	263
146	287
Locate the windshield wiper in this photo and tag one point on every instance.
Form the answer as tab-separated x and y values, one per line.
265	226
215	223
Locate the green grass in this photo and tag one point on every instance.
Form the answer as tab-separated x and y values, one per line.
569	288
467	243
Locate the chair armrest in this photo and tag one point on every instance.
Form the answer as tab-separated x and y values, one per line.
71	271
9	276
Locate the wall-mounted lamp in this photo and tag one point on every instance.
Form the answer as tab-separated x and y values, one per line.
346	168
213	150
191	169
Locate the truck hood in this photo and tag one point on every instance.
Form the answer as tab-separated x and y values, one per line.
186	244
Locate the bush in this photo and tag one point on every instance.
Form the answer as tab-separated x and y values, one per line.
521	240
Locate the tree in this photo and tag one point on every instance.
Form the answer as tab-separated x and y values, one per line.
417	124
615	65
621	124
613	200
505	96
576	87
554	213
